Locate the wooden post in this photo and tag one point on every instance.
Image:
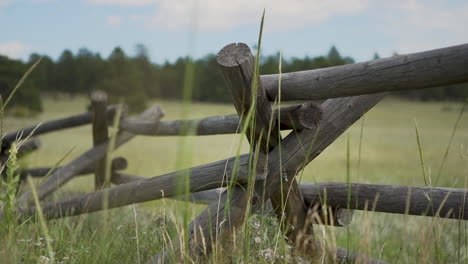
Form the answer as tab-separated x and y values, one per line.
237	64
100	135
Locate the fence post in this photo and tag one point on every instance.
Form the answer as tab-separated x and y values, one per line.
100	135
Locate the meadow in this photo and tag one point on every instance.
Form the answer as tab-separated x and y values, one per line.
383	150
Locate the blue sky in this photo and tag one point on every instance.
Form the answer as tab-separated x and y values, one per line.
173	28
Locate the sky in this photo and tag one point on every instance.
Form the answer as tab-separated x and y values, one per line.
174	28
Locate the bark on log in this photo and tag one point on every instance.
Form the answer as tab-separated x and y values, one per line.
66	173
100	135
404	72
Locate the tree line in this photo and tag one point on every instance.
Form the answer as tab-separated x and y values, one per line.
135	79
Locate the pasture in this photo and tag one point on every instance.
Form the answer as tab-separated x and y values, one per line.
383	150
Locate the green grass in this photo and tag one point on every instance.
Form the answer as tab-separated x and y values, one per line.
389	155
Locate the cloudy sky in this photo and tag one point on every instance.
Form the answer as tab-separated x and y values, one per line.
173	28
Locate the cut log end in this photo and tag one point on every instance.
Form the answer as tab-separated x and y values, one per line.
98	96
297	117
119	163
233	55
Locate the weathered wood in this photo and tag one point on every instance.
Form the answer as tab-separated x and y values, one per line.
203	177
58	124
404	72
117	164
100	135
428	201
237	64
297	117
297	150
66	173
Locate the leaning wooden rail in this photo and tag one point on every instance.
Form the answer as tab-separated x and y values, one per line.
203	177
404	72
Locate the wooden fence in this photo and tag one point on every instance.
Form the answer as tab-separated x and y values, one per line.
247	182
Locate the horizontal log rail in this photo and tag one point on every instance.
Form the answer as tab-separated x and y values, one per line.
295	117
404	72
428	201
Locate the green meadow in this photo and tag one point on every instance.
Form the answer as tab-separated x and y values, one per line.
383	150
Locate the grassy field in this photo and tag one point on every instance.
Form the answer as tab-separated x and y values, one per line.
388	155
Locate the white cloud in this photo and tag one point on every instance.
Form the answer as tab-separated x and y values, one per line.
220	15
14	49
114	20
422	25
122	2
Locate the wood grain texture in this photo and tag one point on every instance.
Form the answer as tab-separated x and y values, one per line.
100	135
404	72
66	173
